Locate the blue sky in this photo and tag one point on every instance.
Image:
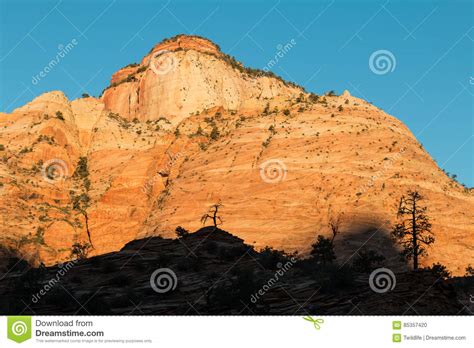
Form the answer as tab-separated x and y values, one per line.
430	85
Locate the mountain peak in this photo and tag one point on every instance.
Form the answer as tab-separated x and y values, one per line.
186	42
187	74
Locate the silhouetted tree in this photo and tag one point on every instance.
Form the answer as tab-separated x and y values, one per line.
181	232
440	270
270	258
322	251
414	230
82	201
212	214
334	223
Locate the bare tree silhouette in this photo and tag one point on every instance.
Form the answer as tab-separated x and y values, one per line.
322	251
212	214
413	232
334	223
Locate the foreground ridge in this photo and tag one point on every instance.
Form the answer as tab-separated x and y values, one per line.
222	275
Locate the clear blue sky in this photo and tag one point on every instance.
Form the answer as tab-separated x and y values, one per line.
430	89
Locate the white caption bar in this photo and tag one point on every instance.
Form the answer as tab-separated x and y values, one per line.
222	331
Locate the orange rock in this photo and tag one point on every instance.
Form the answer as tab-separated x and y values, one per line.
162	148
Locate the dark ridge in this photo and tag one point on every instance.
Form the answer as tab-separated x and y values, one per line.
216	273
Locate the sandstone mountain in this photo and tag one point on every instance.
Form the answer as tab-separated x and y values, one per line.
189	127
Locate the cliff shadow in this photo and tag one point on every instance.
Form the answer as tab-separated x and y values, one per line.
369	236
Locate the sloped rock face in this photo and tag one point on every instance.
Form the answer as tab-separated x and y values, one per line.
158	149
280	178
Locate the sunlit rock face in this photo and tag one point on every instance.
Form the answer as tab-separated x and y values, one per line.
189	127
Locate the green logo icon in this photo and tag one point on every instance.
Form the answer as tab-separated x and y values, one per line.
316	322
396	325
397	338
19	328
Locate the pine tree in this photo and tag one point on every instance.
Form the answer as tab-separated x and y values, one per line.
414	229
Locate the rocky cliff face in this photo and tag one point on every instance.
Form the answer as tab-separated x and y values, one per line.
189	127
187	75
